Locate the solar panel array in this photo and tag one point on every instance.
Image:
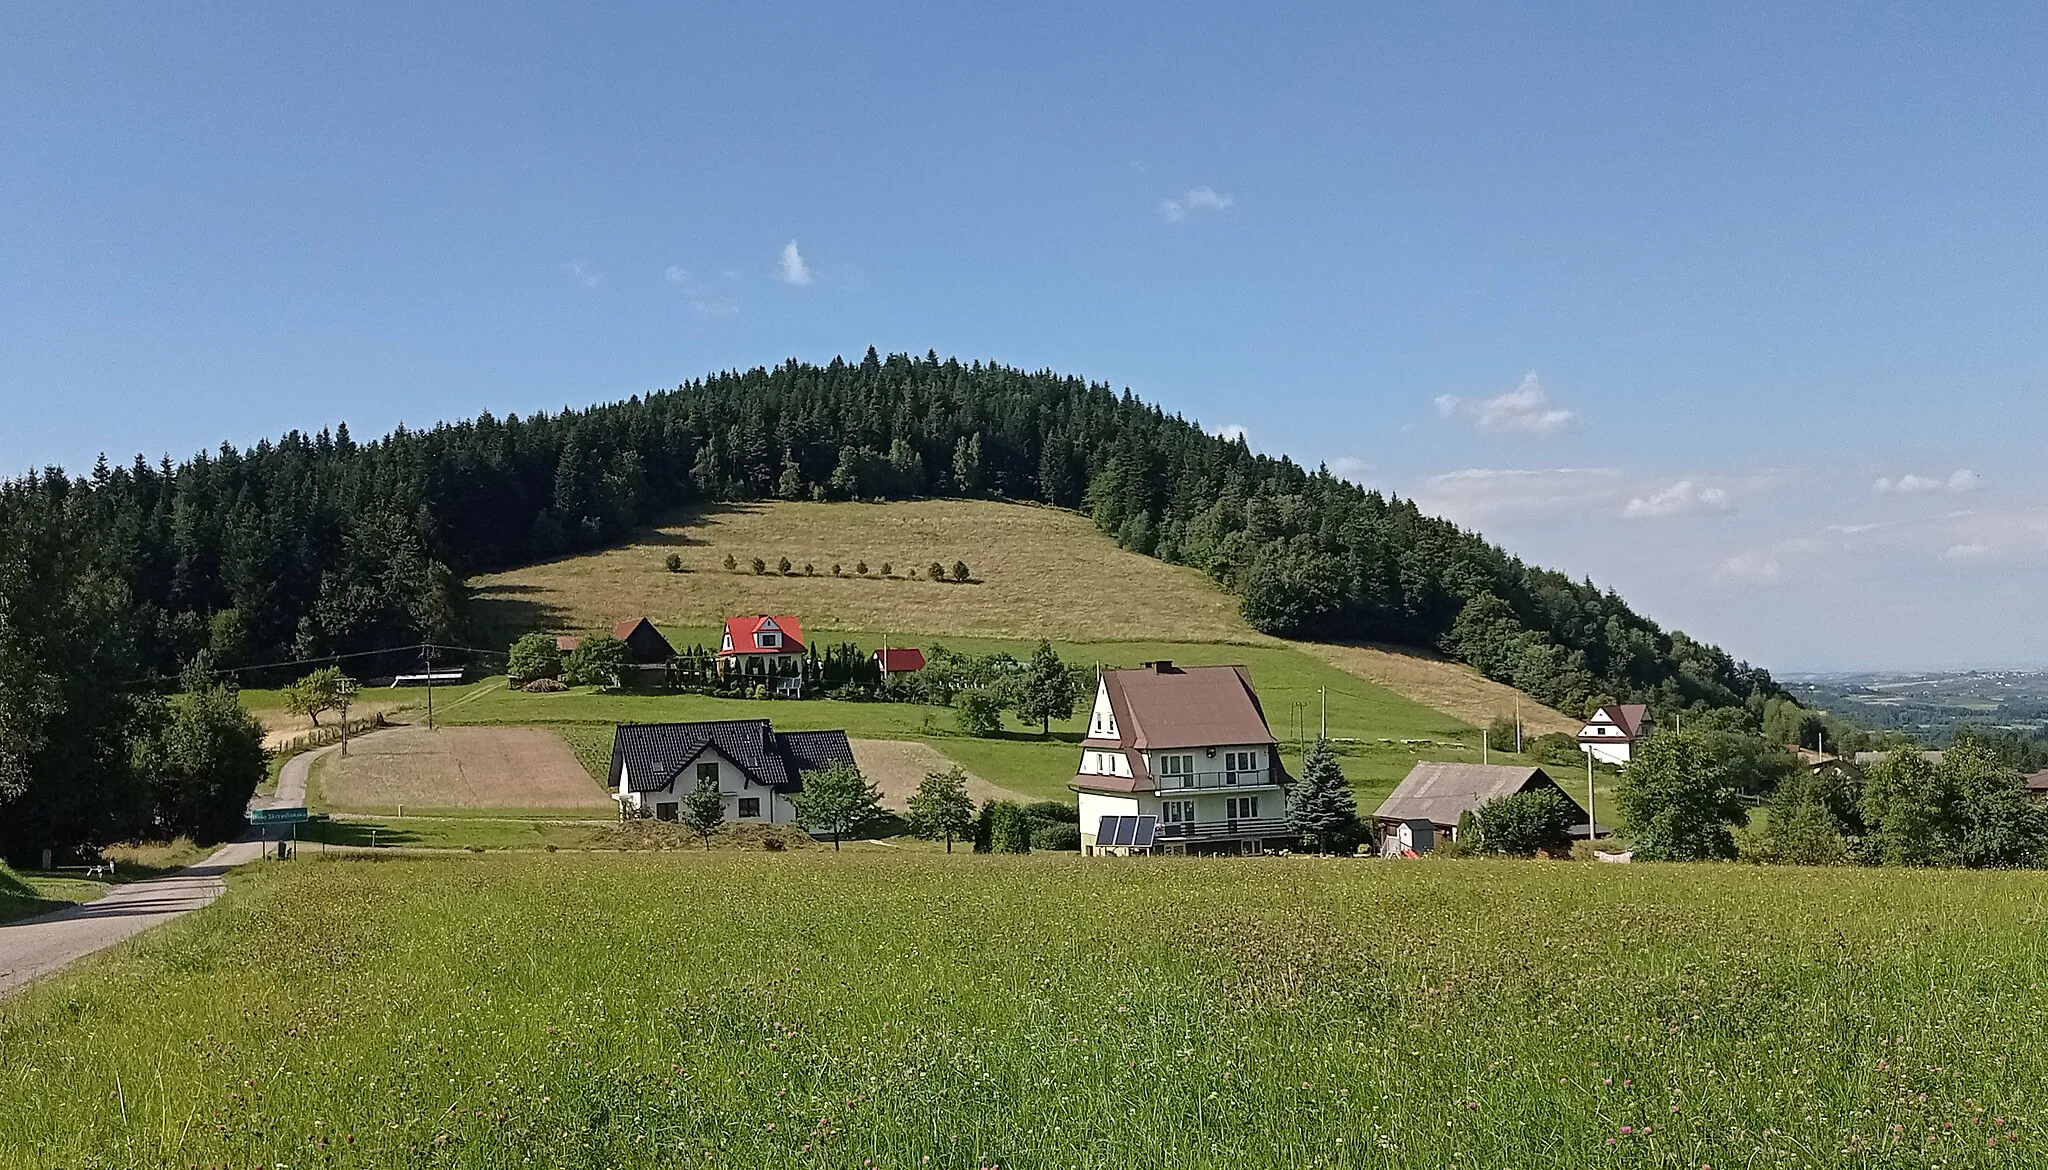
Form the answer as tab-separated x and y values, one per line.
1133	832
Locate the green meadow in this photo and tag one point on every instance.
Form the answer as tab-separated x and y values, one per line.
904	1010
1370	722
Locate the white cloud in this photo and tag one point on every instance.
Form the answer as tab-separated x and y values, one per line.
1525	410
1350	467
1177	208
584	272
1965	552
1479	494
794	270
1751	568
1233	432
699	296
1960	480
1680	499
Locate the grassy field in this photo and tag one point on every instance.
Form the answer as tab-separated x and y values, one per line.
457	768
910	1011
25	894
1375	726
1039	572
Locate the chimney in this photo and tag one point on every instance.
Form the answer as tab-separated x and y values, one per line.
1162	666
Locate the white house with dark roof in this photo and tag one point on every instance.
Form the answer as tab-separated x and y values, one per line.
756	768
1611	735
1189	746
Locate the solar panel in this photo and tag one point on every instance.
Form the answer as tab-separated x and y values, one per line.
1126	829
1105	833
1147	828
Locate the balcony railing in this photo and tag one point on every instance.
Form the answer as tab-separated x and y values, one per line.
1223	830
1197	780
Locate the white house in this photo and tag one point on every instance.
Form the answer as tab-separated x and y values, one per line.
1611	735
756	768
1188	745
768	647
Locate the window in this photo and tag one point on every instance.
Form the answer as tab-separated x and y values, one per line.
665	811
1176	765
771	640
1177	812
1235	762
1243	808
750	807
707	773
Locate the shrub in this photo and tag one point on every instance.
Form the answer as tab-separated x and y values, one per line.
835	568
674	563
1056	838
1557	747
979	713
935	571
887	568
760	566
810	570
533	656
545	686
861	568
1009	830
783	566
597	662
1053	812
1525	822
731	565
959	570
1500	734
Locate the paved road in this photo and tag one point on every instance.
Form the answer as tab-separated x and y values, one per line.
36	947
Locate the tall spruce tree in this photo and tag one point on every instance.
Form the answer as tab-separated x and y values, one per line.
1322	810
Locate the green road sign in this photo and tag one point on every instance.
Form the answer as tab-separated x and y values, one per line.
277	816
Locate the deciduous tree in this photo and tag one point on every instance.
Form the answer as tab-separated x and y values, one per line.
941	808
837	800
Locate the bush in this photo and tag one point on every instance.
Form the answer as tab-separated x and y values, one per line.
959	570
979	713
598	662
1056	838
1053	812
887	568
1521	824
810	570
730	564
1500	734
835	568
783	566
861	568
545	686
1009	830
533	656
760	566
674	563
1557	748
935	571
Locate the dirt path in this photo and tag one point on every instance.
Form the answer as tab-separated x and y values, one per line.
896	766
36	947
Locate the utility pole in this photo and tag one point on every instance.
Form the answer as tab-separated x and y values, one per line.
1518	723
1592	809
1325	692
427	656
1483	757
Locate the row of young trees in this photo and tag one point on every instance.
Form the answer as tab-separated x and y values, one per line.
315	545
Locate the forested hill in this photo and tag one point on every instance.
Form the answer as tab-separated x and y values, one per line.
317	544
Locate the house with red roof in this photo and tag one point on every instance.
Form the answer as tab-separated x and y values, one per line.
768	646
1179	759
1613	732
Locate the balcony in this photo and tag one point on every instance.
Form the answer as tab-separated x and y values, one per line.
1202	781
1225	830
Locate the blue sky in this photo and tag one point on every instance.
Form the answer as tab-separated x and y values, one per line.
1743	312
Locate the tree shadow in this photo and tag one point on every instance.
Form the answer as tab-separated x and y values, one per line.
361	834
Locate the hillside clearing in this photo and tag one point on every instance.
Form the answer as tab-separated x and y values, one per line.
819	1010
458	768
1450	687
1037	572
897	766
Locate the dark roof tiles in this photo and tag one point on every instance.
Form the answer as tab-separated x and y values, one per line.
652	754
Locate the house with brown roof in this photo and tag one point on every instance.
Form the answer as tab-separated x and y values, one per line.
1611	735
1187	749
2037	784
1427	805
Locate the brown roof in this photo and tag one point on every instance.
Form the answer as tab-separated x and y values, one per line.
1439	793
567	642
1160	705
2038	782
1630	717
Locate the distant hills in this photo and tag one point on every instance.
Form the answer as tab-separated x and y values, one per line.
1931	705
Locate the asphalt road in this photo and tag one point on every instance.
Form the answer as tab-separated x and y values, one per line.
35	947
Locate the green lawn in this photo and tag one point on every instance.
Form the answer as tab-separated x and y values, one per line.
885	1008
1291	687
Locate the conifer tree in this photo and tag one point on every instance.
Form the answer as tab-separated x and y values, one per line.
1322	810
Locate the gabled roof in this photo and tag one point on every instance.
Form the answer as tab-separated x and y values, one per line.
1440	793
745	634
2038	782
653	753
1630	717
567	642
899	659
1162	706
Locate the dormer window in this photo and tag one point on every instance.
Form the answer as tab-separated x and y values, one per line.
771	640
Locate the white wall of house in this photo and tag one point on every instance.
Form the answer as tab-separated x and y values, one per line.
774	808
1210	762
1104	763
1097	805
1616	753
1102	719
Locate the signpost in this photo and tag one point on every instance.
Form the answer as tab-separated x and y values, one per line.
263	818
